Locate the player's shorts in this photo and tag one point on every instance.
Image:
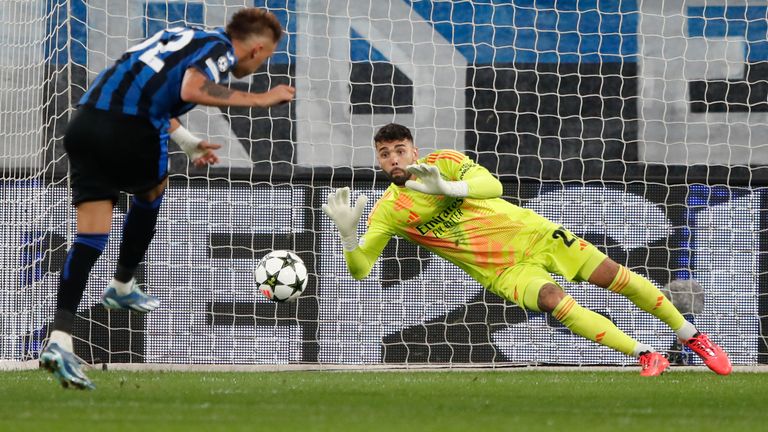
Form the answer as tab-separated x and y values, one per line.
559	252
111	152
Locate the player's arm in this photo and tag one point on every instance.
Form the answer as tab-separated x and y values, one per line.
361	259
480	182
454	174
360	256
197	88
199	151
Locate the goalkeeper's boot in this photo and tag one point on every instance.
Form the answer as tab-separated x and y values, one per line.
64	367
136	300
653	363
714	357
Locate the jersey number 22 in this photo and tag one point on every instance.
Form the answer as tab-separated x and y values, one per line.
182	36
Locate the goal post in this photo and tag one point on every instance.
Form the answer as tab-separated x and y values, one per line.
636	124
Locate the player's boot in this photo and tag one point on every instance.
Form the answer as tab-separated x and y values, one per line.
64	367
136	300
653	363
714	357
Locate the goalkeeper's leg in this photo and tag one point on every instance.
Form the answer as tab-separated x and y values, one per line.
595	327
648	297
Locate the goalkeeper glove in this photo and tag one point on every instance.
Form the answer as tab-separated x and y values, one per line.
432	183
345	217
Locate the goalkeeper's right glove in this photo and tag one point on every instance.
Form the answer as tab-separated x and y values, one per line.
345	217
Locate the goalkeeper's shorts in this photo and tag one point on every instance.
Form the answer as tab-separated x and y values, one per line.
111	152
558	252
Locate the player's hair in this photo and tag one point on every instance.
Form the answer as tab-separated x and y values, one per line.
254	21
392	132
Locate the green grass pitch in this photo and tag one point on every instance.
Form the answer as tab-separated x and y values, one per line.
504	400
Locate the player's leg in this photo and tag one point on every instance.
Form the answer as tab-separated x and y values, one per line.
94	219
144	153
93	223
648	297
534	289
600	329
642	292
138	230
584	322
94	197
570	256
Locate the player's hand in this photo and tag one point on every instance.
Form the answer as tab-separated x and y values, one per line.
278	95
432	183
343	215
204	154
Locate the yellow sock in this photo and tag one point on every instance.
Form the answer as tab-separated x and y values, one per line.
592	326
647	297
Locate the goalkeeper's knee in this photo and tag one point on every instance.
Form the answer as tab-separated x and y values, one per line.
550	295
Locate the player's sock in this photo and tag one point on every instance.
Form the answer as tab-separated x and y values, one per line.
84	252
61	338
642	348
687	331
592	326
647	297
138	230
122	288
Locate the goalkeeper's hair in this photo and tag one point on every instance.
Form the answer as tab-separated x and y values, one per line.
253	21
392	132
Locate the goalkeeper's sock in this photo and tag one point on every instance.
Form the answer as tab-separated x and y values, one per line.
138	230
642	348
85	250
687	331
592	326
647	297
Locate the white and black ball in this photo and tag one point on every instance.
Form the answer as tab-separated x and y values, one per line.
281	276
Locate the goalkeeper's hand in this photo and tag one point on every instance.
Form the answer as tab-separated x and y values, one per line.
432	183
344	216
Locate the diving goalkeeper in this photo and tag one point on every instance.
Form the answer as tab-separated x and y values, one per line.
450	205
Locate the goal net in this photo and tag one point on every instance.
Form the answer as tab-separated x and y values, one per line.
637	124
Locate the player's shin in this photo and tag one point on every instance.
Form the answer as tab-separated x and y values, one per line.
592	326
138	231
649	298
73	278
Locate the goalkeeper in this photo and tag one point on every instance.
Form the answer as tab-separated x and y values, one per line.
118	141
450	205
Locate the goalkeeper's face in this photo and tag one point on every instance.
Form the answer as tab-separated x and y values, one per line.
394	156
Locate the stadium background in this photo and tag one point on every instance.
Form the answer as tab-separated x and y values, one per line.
643	141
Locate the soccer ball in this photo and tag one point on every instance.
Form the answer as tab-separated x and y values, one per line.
281	276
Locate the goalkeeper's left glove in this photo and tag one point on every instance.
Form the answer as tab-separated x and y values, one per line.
345	217
430	182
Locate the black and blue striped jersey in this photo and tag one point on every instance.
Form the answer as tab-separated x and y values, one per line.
146	80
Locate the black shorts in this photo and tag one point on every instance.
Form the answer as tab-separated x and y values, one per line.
111	152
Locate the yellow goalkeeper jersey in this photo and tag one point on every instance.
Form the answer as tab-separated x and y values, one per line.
482	233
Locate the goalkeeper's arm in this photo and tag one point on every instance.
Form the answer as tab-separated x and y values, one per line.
476	182
360	260
359	256
481	183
